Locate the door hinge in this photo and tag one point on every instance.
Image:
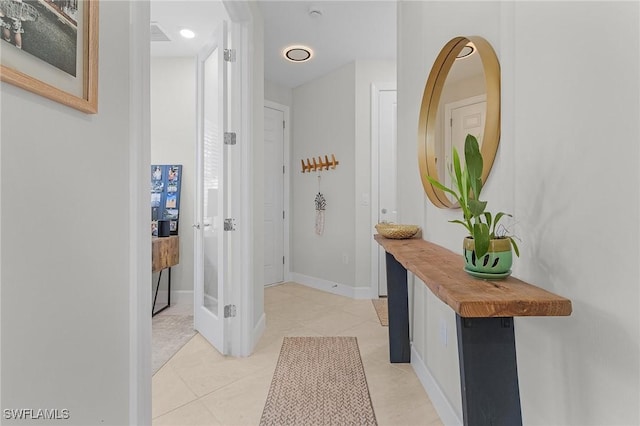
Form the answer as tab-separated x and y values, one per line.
283	124
282	169
229	311
283	214
229	224
229	138
283	260
230	55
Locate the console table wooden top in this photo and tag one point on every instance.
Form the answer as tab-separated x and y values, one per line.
443	272
165	252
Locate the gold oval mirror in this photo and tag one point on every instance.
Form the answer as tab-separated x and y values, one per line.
462	96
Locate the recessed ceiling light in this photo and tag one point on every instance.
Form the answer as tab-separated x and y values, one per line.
186	33
297	53
466	51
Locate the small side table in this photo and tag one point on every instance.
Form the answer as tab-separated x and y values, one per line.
165	253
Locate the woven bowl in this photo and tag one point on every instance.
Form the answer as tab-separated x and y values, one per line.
396	231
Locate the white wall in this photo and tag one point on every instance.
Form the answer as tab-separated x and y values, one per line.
65	244
332	115
324	124
279	94
570	106
173	141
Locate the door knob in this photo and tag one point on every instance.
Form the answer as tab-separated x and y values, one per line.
197	226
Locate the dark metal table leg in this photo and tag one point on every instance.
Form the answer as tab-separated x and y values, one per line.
154	313
488	372
156	295
398	304
169	289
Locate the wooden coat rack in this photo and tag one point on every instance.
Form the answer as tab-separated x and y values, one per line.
319	165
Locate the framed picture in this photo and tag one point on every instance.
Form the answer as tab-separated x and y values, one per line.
50	47
165	196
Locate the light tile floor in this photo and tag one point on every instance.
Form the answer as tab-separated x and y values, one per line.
198	386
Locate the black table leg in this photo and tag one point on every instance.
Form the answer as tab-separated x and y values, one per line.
169	288
398	304
488	372
154	313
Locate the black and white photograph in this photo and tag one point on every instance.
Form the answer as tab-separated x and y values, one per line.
50	47
46	29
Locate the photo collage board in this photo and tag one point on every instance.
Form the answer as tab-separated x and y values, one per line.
165	196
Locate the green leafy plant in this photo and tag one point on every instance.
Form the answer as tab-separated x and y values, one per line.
467	186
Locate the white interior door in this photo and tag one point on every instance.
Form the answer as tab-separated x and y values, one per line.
465	117
212	242
387	171
273	195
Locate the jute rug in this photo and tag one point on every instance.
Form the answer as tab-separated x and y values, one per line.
319	381
382	310
169	334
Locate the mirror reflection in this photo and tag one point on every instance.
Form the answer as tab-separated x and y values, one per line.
461	110
461	96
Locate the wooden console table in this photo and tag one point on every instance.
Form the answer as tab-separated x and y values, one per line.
165	253
484	322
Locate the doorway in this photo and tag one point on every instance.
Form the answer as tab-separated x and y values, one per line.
466	116
242	294
276	193
383	172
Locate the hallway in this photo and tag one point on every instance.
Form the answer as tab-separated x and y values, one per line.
198	386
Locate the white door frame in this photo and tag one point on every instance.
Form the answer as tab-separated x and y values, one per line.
140	249
139	166
286	200
376	88
241	330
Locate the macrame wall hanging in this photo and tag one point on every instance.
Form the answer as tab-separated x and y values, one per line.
320	201
321	205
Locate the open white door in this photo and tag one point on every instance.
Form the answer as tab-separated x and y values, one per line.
212	252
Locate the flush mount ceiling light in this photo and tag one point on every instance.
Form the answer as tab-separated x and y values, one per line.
466	51
187	33
297	53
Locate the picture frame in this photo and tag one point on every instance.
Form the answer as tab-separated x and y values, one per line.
79	90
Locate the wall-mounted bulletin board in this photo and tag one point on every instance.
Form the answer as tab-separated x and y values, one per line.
165	195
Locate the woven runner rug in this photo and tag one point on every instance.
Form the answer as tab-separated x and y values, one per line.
382	310
319	381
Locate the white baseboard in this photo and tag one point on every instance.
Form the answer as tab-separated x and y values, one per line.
332	287
445	410
178	297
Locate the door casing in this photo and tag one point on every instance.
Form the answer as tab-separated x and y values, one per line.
376	89
286	184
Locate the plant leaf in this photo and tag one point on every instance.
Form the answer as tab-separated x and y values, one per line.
457	170
498	217
474	163
481	238
515	246
488	218
440	186
463	224
477	208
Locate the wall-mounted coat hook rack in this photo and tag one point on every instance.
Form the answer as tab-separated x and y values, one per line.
319	165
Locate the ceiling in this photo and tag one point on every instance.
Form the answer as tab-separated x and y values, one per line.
173	15
344	31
